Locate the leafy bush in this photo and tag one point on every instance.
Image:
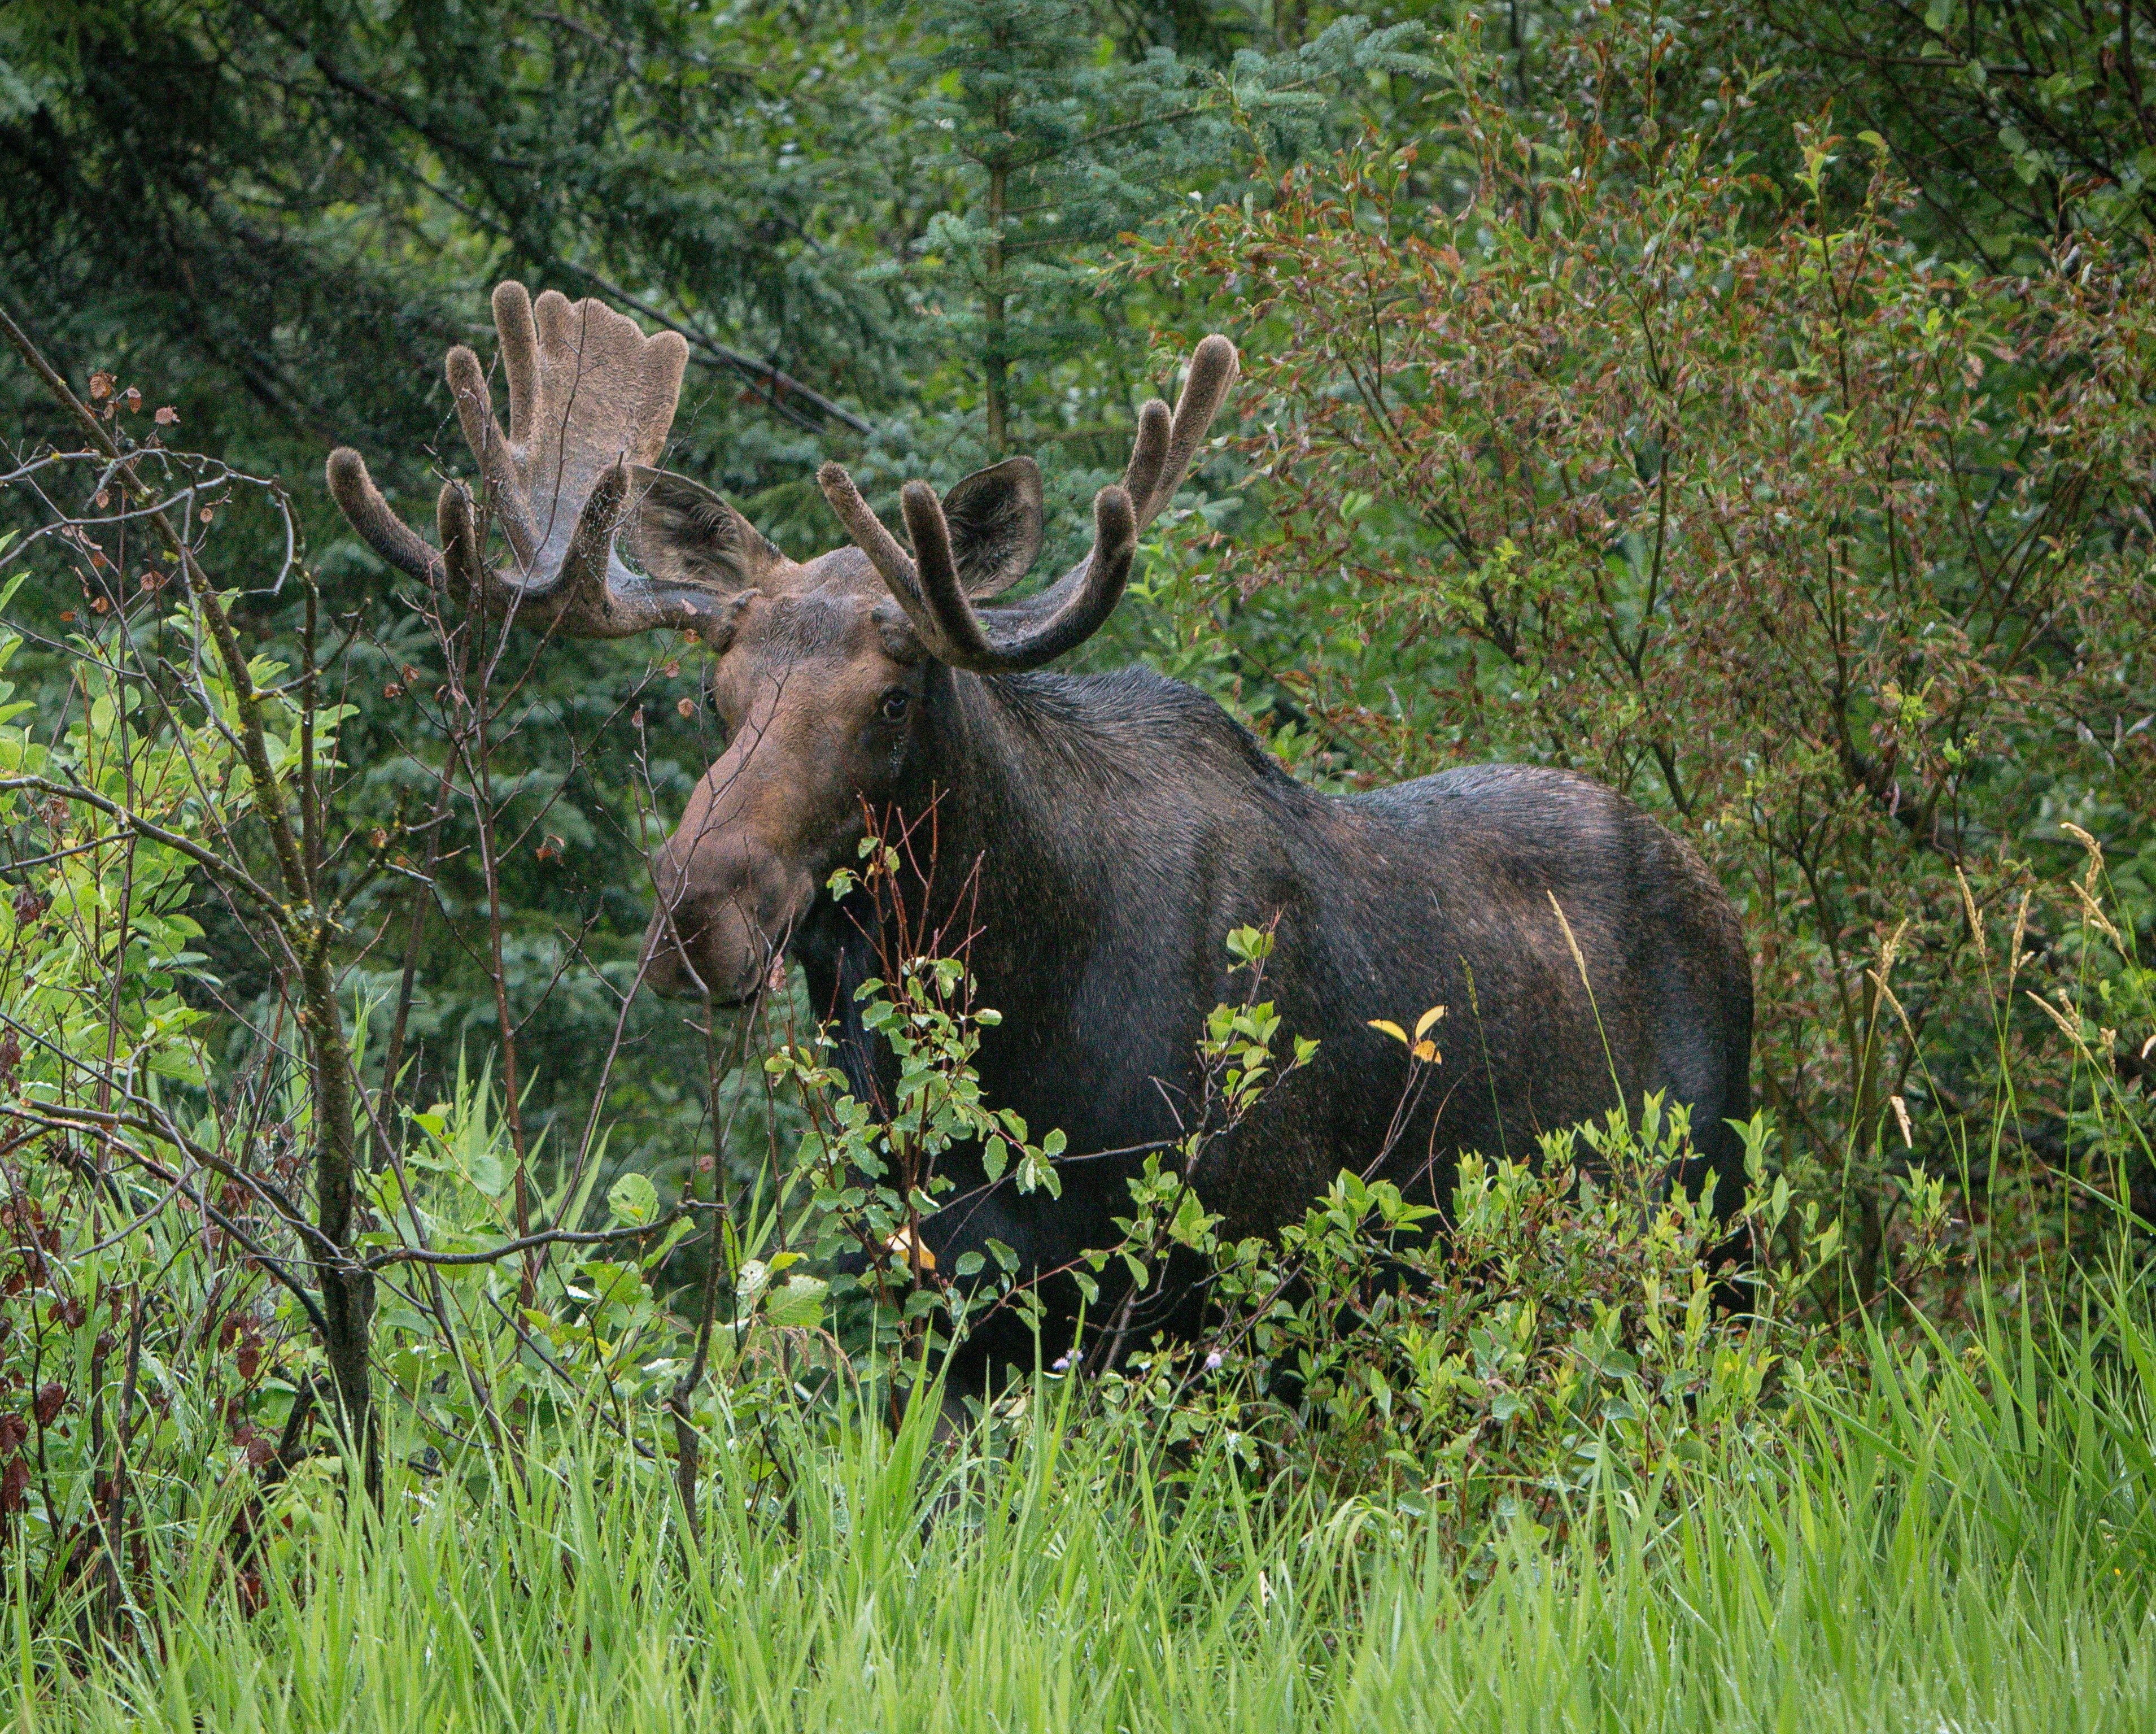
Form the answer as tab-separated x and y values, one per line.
1565	1332
1834	553
137	1356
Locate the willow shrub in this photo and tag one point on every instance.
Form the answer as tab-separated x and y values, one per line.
1834	555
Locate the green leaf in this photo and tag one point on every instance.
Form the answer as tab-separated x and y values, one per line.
632	1199
798	1302
487	1173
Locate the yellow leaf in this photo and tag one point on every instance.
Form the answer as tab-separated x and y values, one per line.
1428	1018
906	1245
1391	1029
1426	1051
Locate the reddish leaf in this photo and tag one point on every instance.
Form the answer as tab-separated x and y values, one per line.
169	417
13	1430
14	1483
51	1399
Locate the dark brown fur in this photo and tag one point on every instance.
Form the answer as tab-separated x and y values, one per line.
1107	833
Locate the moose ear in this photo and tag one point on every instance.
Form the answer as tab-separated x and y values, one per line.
683	533
995	520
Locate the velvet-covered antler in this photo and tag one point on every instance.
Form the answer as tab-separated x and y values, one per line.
1003	640
603	543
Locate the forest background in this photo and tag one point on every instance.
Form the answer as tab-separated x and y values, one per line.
917	238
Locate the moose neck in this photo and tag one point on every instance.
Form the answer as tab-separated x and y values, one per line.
1016	768
1007	856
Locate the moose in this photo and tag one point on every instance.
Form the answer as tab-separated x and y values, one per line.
1107	830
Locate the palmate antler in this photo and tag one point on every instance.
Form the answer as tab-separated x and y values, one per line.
572	486
1003	640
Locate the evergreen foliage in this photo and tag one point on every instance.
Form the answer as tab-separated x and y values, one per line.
1057	145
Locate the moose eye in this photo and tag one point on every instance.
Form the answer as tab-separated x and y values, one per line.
894	704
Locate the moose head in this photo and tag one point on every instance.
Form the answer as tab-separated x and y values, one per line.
823	672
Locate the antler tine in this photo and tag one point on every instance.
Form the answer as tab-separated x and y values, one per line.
892	562
464	544
963	644
518	338
367	513
1148	451
1205	387
497	467
1044	633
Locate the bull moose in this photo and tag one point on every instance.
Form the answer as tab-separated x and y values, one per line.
1111	829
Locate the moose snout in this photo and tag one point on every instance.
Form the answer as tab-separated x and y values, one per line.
723	916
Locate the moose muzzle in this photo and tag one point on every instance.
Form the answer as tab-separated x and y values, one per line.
726	908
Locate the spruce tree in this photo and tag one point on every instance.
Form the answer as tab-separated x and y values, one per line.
1049	138
1058	147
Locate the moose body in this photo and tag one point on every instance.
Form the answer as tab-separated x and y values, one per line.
1107	832
1100	836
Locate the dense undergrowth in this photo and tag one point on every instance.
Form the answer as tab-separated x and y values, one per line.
1931	1537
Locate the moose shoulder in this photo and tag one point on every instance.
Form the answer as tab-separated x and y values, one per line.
1105	832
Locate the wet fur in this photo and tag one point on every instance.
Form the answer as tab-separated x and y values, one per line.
1123	824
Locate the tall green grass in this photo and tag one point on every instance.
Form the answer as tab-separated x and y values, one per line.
1942	1541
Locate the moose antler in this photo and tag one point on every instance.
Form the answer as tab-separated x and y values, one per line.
591	402
1071	610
